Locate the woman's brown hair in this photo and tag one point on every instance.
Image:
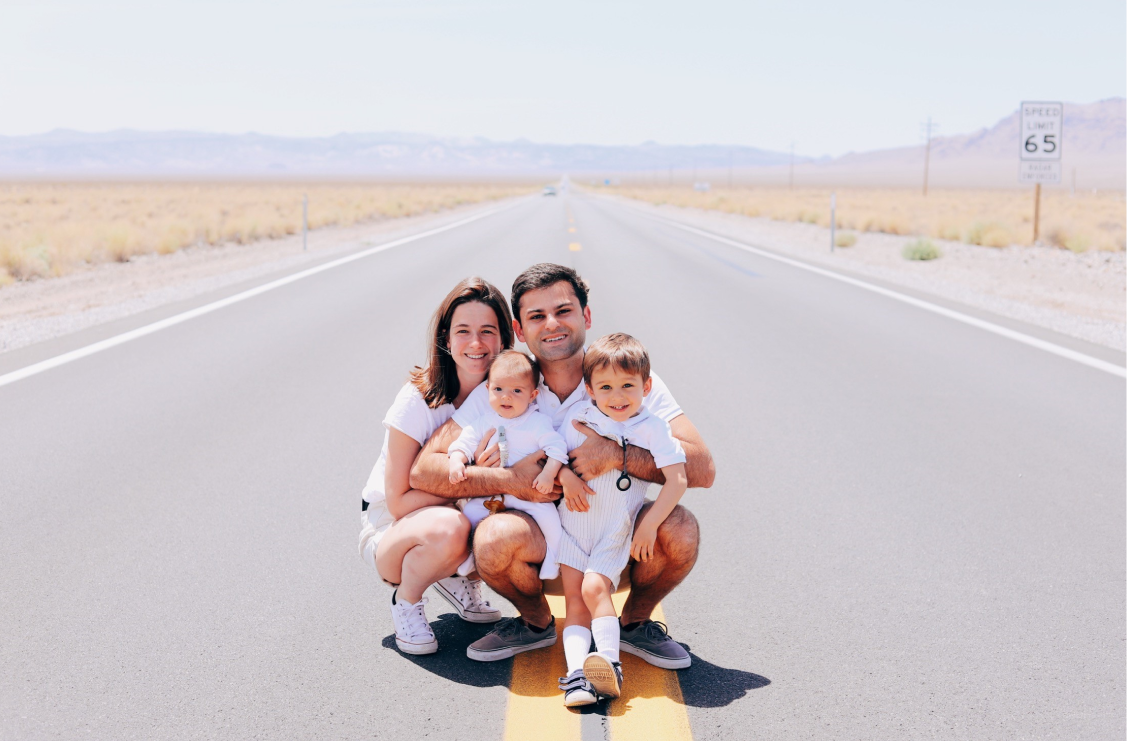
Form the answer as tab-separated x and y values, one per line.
438	381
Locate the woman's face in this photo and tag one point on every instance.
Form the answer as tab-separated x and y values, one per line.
474	337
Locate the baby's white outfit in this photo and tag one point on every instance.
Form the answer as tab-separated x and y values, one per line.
524	435
598	540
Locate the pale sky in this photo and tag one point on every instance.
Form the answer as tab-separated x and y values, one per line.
832	77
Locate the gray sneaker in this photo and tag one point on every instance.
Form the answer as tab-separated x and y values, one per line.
650	641
509	638
577	690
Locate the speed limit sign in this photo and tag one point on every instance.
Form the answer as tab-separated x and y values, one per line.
1040	141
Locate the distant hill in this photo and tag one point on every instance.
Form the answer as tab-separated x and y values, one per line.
182	153
1094	145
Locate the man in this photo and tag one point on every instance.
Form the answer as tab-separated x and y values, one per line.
551	317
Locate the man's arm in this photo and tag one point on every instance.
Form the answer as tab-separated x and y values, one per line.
597	455
431	471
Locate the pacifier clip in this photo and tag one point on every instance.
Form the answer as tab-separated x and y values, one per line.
623	482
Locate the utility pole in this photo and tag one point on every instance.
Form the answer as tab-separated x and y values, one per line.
833	220
304	222
729	170
671	176
928	128
792	165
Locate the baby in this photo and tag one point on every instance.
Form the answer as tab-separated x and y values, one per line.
597	542
521	431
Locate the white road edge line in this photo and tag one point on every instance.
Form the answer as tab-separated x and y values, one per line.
148	329
997	329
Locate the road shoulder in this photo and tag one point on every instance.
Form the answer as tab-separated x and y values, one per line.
1079	296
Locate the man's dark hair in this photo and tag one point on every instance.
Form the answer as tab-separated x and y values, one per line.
543	275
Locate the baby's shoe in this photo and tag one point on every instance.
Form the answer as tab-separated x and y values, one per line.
603	674
413	633
577	690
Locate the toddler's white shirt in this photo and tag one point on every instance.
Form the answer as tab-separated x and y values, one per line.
643	430
526	434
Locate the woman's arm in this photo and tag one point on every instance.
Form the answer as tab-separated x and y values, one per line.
400	497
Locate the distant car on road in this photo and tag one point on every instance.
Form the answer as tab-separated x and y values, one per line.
549	190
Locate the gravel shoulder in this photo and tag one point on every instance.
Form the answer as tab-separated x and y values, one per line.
1081	295
41	310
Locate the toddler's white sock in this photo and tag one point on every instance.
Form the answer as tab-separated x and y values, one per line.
577	642
606	632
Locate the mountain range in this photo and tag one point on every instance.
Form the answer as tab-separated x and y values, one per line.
186	153
1094	147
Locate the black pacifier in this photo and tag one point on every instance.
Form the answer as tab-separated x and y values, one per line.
623	482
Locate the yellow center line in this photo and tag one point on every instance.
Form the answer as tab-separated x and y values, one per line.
536	709
571	229
651	707
575	246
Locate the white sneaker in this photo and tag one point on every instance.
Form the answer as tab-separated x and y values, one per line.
465	597
413	633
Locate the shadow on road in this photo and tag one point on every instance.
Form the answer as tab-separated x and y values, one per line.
706	685
703	685
453	635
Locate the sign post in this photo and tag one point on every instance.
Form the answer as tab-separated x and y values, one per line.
1040	148
833	220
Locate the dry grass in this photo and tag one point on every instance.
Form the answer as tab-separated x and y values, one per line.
921	249
49	229
994	218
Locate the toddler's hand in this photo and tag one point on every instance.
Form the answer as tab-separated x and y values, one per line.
575	494
544	483
642	547
457	471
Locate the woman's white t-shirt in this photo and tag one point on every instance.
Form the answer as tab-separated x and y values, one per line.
410	415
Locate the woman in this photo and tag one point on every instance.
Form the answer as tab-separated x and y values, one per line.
415	539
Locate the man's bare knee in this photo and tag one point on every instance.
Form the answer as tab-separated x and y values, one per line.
505	537
679	536
675	552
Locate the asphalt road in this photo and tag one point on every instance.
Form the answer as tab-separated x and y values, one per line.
917	527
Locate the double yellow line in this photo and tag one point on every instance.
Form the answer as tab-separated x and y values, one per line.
573	246
651	706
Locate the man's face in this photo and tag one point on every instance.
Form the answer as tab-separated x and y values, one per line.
618	394
551	322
